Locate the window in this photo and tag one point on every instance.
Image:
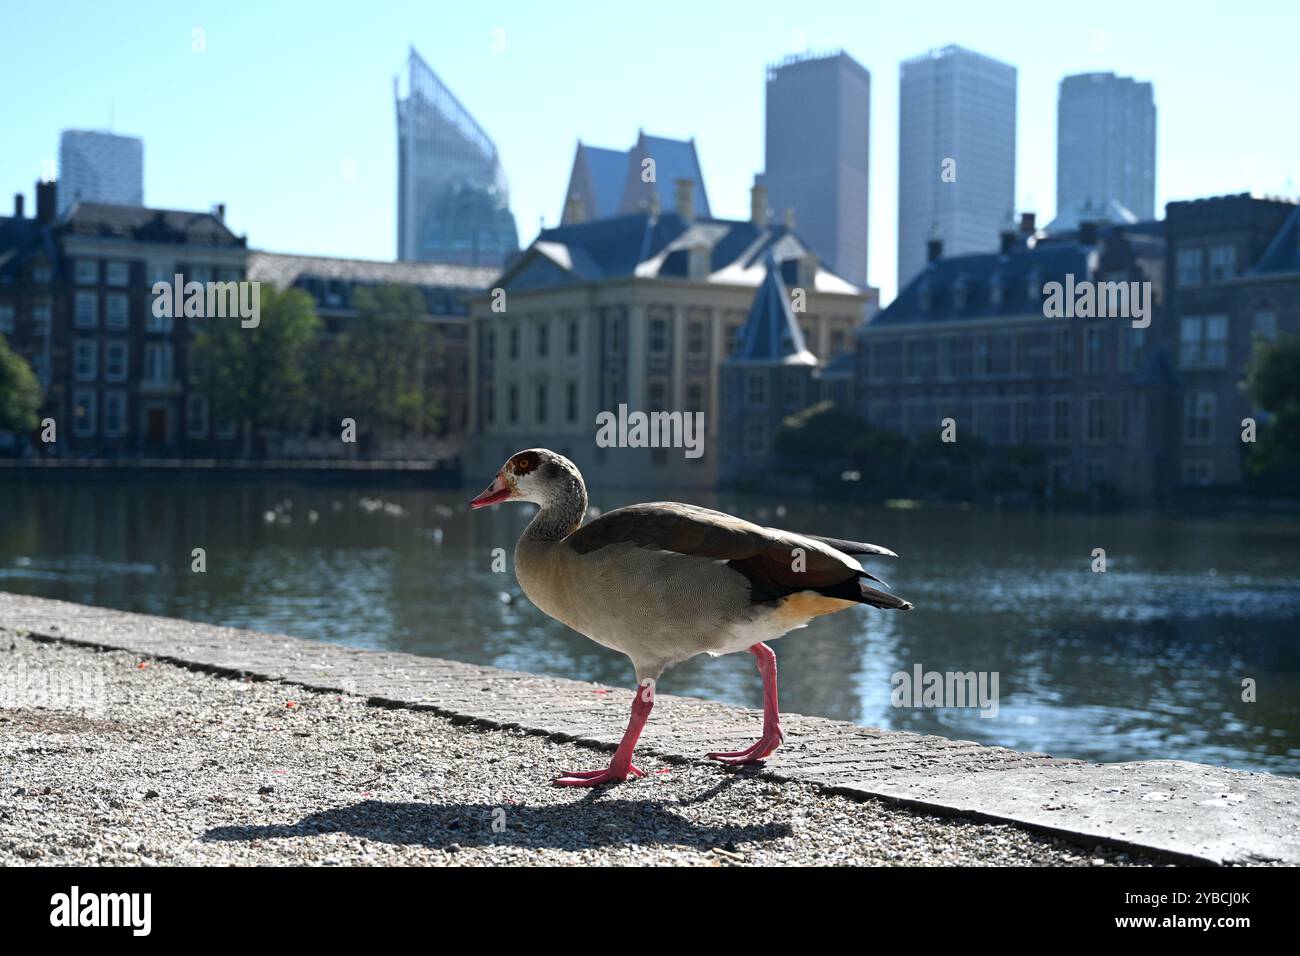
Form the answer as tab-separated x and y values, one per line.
755	389
573	337
1198	418
117	273
87	310
196	416
1265	326
42	315
199	274
87	271
984	355
83	413
571	402
514	341
227	429
1198	473
733	337
490	405
792	394
157	363
1061	421
658	336
1223	263
115	362
1094	355
694	397
1131	344
837	341
7	319
695	337
85	362
490	344
512	404
115	314
41	274
543	338
543	397
1189	267
1095	409
657	396
1203	341
755	439
616	335
1121	424
114	414
1062	351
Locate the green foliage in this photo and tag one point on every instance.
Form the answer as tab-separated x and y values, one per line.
1273	382
20	393
385	368
257	376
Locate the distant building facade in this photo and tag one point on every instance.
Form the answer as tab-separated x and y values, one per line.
76	301
611	182
1233	276
956	154
1105	149
100	167
817	149
968	340
453	201
637	311
768	377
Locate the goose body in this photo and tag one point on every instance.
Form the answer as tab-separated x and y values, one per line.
664	582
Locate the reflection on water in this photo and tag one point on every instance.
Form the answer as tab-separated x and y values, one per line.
1144	661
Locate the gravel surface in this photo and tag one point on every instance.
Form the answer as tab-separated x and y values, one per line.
110	760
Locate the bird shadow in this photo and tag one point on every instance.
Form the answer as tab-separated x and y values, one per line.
596	820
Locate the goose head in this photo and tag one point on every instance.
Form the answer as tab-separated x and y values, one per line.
537	475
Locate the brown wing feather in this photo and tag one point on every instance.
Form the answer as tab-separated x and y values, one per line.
765	556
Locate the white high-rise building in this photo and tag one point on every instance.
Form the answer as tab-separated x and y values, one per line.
956	154
1105	149
100	167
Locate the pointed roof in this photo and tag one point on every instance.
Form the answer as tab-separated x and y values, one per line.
1283	253
770	334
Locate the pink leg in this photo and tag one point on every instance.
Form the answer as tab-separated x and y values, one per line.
772	735
621	765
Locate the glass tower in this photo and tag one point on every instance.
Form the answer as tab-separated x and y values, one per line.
453	202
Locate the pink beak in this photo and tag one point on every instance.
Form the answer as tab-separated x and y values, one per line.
493	493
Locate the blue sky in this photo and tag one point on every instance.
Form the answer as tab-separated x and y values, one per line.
287	94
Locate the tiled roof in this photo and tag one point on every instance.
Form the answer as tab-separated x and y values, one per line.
1283	252
283	270
993	284
144	224
770	334
650	246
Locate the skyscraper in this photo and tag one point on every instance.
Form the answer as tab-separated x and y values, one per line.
818	134
100	167
453	202
1105	148
956	154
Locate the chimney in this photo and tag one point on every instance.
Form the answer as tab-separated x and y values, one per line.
1088	233
18	205
46	201
685	199
219	210
758	205
573	210
789	218
1010	239
1027	224
933	249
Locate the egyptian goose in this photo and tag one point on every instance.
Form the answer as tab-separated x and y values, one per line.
664	582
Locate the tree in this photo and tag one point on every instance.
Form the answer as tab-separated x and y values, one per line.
386	367
20	393
257	376
1273	382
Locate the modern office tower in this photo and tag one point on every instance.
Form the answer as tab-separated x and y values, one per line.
956	154
453	202
818	134
1105	149
100	167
